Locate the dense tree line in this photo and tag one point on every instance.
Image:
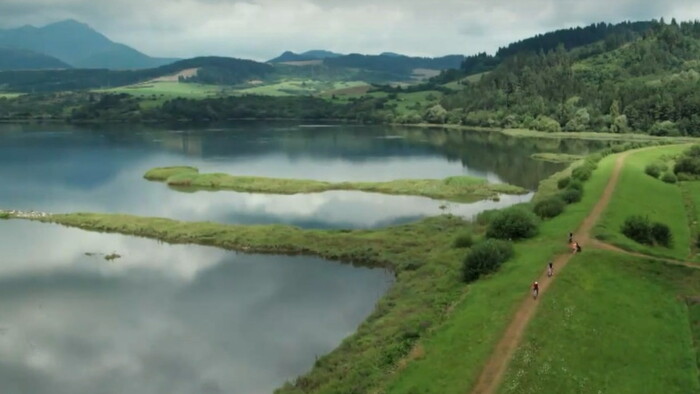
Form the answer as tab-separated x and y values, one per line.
650	85
607	36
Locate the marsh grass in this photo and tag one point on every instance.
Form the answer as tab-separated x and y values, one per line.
456	188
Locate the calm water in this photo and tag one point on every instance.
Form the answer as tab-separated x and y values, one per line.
99	168
165	319
188	319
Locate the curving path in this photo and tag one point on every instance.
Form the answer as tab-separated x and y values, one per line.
496	366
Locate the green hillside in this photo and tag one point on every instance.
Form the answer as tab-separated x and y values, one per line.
20	59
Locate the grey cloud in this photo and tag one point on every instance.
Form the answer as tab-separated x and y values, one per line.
261	29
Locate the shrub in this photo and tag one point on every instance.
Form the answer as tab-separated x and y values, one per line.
513	223
549	208
652	170
485	257
584	171
571	195
486	217
464	240
661	233
669	177
638	229
563	182
4	215
578	185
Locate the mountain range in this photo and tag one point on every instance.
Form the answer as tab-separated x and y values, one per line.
70	44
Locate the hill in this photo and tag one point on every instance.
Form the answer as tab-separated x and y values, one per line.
77	44
212	70
290	56
647	84
392	66
21	59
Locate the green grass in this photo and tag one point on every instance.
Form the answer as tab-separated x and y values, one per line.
407	103
453	356
640	194
691	195
155	93
10	95
458	188
556	157
694	317
610	324
301	87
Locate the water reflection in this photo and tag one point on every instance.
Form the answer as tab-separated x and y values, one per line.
165	319
63	168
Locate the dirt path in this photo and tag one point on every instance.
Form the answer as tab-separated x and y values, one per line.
496	366
612	248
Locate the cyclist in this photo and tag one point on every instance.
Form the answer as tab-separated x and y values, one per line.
535	290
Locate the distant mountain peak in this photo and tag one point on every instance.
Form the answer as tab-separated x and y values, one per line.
79	45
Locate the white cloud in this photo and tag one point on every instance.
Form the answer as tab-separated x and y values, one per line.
261	29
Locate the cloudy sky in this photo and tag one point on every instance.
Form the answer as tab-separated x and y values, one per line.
261	29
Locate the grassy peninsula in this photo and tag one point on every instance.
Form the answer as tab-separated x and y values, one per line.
456	189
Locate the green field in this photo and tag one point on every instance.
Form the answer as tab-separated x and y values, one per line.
610	324
458	188
640	194
305	87
691	195
169	90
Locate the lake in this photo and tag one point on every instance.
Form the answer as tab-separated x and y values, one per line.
63	168
191	319
165	318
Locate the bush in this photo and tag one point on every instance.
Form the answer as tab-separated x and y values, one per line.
513	223
486	217
549	208
563	182
577	185
669	177
661	233
571	195
464	240
639	229
4	215
652	170
485	257
584	171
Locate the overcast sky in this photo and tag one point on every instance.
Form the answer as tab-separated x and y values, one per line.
261	29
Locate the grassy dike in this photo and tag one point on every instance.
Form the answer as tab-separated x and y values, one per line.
451	358
640	194
456	189
612	324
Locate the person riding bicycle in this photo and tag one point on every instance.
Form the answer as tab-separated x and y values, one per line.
535	289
